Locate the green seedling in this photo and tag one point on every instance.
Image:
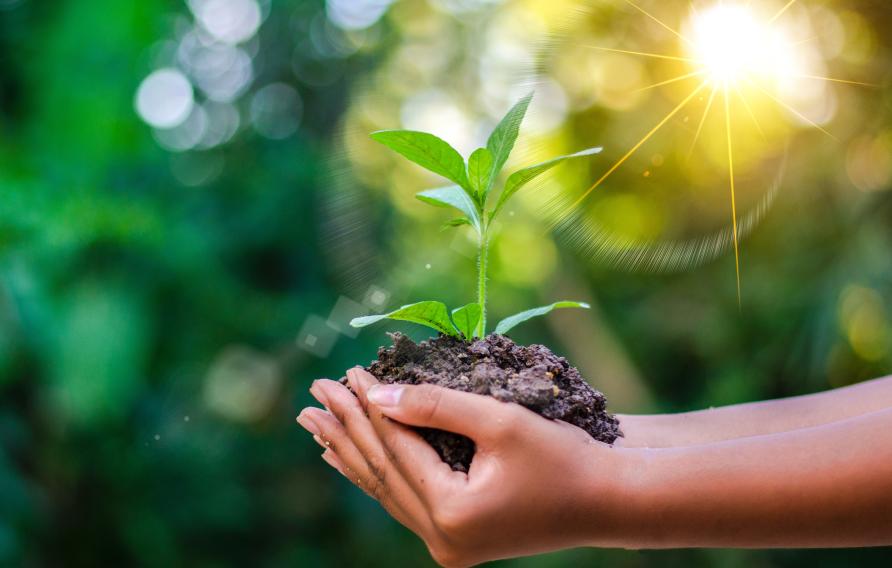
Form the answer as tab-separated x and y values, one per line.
473	186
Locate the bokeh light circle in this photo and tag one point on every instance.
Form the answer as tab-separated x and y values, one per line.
356	14
276	111
164	98
228	21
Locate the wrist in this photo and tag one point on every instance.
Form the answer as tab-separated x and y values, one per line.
665	492
619	513
652	431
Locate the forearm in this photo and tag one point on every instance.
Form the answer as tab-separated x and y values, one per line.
825	486
755	419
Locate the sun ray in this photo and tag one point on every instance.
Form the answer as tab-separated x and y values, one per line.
733	196
796	112
781	11
834	80
642	53
749	110
672	80
646	137
659	21
702	121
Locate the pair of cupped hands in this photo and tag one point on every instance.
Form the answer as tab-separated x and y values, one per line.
534	484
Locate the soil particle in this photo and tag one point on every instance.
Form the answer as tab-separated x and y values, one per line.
532	376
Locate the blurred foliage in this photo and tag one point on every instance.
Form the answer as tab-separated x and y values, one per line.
168	292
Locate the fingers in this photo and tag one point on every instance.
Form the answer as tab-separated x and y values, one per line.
360	382
347	410
334	461
384	481
472	415
329	433
342	455
415	459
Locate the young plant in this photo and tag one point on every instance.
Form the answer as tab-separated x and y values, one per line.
470	195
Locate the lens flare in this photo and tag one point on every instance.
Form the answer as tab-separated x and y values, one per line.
731	51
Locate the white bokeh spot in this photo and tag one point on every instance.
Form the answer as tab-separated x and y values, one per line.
228	21
165	98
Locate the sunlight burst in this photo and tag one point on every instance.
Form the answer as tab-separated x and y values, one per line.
729	43
730	49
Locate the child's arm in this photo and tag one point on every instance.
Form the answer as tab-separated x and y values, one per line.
756	418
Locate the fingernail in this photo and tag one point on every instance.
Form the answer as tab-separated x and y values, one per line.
385	395
318	394
331	460
308	424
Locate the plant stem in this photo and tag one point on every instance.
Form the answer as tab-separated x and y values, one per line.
481	281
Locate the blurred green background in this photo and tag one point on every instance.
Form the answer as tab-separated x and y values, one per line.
191	211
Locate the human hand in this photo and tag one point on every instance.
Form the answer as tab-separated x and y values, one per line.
534	484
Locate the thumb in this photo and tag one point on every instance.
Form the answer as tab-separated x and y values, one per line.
471	415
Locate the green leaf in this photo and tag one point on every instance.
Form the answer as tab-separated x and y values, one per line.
427	151
502	139
467	318
457	222
429	313
522	177
480	171
453	196
509	322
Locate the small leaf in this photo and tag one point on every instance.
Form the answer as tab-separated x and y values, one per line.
480	170
427	151
457	222
467	318
429	313
522	177
452	196
511	321
502	139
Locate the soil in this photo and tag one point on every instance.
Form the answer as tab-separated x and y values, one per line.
531	376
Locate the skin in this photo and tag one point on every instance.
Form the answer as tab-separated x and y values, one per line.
808	472
756	418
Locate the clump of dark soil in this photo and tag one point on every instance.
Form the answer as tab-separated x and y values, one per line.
532	376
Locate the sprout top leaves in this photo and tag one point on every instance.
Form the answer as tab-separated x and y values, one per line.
474	183
428	151
501	141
